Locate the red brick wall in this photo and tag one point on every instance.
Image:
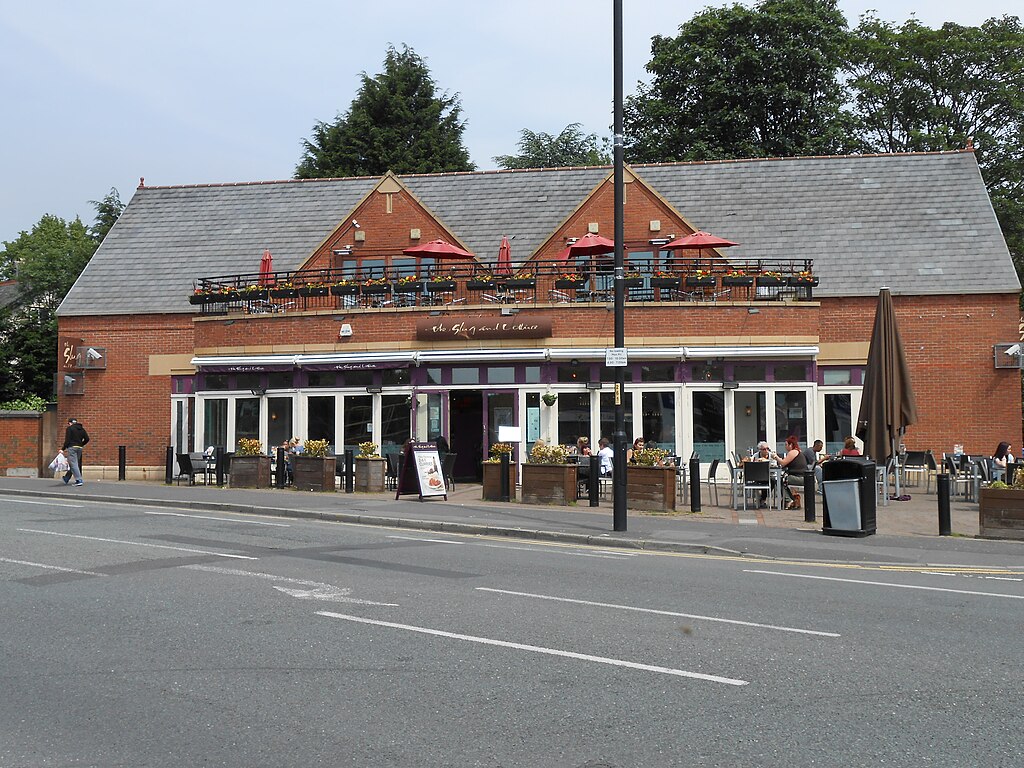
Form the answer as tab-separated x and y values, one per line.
20	437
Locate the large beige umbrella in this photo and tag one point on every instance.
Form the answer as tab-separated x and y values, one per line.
887	405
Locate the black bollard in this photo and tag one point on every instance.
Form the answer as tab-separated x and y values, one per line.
281	470
218	463
809	498
694	470
594	481
350	472
504	490
121	461
942	489
169	466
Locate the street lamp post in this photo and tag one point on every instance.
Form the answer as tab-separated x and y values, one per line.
619	436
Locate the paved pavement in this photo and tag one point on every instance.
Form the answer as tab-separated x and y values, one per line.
908	531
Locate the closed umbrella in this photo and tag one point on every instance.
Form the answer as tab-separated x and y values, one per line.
504	264
266	268
439	249
887	405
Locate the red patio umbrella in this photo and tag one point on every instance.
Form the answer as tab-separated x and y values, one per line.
591	244
698	240
266	268
439	249
504	263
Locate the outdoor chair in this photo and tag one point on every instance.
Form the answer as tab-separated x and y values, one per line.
558	297
391	471
957	478
712	479
186	469
933	472
757	479
447	465
915	467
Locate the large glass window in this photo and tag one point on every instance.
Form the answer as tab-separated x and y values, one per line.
500	413
608	418
790	418
501	375
531	374
750	419
465	375
659	417
394	422
838	421
709	425
573	417
358	421
532	419
320	419
247	418
279	421
215	422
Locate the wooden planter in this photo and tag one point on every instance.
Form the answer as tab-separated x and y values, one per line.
313	473
492	481
370	475
552	484
1001	513
250	472
651	488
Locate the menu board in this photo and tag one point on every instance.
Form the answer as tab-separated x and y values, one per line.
422	471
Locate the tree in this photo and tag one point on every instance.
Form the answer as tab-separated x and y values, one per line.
744	82
922	89
568	149
397	122
108	210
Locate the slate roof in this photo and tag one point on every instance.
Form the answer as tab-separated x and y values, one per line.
919	223
8	293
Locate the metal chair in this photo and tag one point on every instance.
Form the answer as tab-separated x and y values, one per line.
933	472
447	464
712	479
756	477
391	471
956	477
187	469
914	467
558	297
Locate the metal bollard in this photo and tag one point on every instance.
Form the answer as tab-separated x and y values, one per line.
942	489
694	470
809	498
218	461
121	461
169	466
594	481
281	471
350	472
505	492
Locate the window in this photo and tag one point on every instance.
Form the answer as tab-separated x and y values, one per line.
358	421
573	374
357	379
395	377
320	419
709	425
321	379
394	422
465	375
531	374
791	372
502	375
280	380
247	418
836	377
658	373
659	419
749	373
608	417
573	416
708	372
215	381
215	422
790	417
279	421
433	375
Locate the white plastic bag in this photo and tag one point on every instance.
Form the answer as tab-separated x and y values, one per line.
60	463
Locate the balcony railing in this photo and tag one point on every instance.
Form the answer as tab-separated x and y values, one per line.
543	282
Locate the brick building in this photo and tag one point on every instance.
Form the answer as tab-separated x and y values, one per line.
711	368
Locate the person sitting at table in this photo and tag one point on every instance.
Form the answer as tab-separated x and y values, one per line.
849	447
606	455
583	446
764	453
1002	456
795	465
638	445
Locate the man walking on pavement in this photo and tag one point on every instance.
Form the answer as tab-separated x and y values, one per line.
75	439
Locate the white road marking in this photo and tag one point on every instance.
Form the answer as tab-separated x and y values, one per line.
888	584
317	591
539	649
48	567
138	544
660	612
600	553
44	503
432	541
218	519
1000	578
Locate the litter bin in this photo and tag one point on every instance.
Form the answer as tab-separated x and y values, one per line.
848	493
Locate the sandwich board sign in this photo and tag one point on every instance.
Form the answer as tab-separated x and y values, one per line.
421	472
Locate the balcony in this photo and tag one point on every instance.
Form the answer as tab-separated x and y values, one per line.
537	283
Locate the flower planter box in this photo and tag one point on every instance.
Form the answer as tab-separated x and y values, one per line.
697	282
344	290
665	282
806	282
408	287
633	282
375	290
520	283
253	294
320	290
492	481
738	280
199	298
651	488
769	282
441	286
313	473
250	472
284	293
481	285
1001	513
573	284
551	484
370	475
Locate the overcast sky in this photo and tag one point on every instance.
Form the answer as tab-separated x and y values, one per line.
97	94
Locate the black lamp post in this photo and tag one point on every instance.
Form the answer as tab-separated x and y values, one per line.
619	436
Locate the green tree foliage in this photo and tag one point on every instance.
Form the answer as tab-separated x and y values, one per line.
570	148
398	122
108	210
744	82
922	89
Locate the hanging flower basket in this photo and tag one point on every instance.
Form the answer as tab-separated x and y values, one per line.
549	398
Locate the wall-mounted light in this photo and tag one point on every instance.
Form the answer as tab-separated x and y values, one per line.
259	391
659	241
571	240
375	390
346	251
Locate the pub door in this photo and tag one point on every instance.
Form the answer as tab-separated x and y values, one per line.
465	438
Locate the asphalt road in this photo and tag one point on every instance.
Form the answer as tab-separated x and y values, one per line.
137	636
